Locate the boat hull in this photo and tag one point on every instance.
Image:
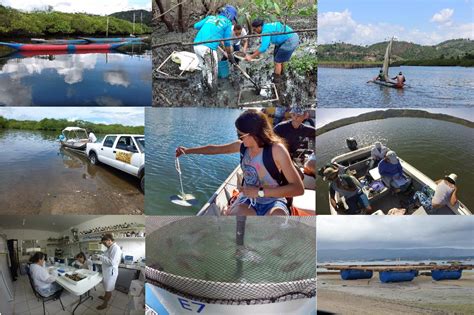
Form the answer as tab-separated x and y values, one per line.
112	40
67	48
388	84
58	41
76	145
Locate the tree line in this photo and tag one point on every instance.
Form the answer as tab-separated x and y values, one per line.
39	23
50	124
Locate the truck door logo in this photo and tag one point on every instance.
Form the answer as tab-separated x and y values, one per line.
123	156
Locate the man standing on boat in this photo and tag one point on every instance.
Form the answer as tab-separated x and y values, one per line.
214	27
92	137
285	44
294	131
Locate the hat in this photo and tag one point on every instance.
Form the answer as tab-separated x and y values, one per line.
229	12
392	157
329	173
452	178
297	110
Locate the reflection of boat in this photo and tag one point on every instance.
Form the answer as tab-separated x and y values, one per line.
68	48
58	41
381	198
220	200
74	138
113	39
28	54
386	65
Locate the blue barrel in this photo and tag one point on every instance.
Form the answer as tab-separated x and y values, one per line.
353	274
223	69
446	274
416	273
396	276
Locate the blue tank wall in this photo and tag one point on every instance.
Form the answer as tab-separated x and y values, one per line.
351	274
446	274
396	276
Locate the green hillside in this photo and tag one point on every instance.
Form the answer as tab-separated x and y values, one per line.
451	52
128	16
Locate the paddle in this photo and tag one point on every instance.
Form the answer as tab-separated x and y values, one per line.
185	200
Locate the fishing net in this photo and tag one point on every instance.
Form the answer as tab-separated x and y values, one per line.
233	260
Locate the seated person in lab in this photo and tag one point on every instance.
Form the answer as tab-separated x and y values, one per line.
43	281
82	262
110	267
377	154
391	171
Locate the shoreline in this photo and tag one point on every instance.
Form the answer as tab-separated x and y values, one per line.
420	296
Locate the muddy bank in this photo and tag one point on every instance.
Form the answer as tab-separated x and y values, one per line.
294	88
420	296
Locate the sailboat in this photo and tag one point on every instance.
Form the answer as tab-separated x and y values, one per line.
385	67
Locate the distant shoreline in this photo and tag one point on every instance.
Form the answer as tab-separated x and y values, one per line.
392	113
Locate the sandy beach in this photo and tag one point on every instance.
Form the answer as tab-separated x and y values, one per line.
420	296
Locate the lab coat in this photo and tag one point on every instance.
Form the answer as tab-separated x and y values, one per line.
86	265
110	263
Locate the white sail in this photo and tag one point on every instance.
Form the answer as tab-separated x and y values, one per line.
386	60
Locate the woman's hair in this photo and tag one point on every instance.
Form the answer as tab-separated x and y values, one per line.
36	257
256	124
257	22
81	255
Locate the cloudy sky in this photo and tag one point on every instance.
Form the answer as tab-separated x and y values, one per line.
365	22
327	115
130	116
101	7
351	232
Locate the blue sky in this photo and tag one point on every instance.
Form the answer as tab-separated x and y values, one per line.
100	7
370	21
130	116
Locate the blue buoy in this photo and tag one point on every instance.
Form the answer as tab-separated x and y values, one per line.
396	276
354	274
438	275
223	69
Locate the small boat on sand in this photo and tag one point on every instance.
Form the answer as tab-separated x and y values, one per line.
74	138
64	47
381	198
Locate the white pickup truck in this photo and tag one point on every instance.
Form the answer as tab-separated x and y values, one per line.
122	151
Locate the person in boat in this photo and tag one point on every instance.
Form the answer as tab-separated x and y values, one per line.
309	171
445	192
294	131
380	77
92	137
43	280
377	153
82	262
400	79
285	44
269	176
348	187
214	27
391	171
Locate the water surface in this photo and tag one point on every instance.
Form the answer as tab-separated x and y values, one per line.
427	87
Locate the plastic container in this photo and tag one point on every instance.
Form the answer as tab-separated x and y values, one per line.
438	275
396	276
223	69
352	274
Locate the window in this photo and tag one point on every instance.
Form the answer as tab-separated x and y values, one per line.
124	143
109	141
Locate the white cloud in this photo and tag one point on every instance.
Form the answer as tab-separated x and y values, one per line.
341	27
443	16
90	6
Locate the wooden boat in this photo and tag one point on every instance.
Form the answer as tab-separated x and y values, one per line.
29	54
219	201
358	163
58	41
68	48
388	84
385	67
112	39
74	138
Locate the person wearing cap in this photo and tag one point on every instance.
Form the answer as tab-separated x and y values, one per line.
377	153
348	187
285	44
214	27
294	131
445	192
110	267
391	171
261	194
400	79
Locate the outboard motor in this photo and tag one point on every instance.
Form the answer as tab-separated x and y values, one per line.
351	144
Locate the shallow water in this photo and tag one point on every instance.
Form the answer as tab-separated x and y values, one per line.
168	128
104	79
37	176
436	148
427	87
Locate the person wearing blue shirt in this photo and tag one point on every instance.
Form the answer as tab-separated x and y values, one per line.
391	171
285	44
214	27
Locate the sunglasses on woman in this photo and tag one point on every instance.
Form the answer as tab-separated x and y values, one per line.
241	136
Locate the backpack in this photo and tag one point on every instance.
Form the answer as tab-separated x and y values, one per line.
269	164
